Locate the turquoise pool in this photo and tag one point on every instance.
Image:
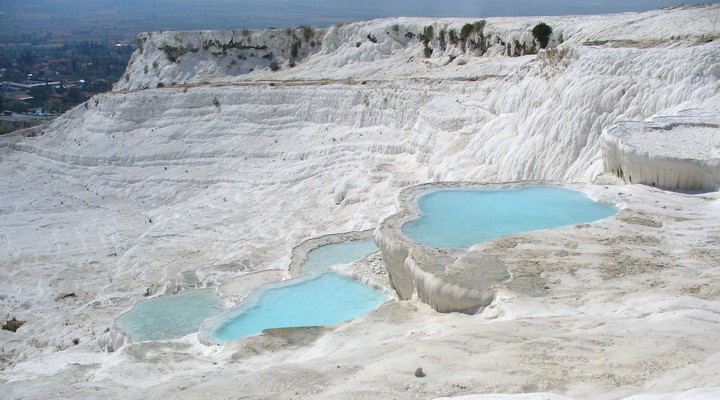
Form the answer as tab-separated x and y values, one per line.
169	317
320	258
323	299
459	218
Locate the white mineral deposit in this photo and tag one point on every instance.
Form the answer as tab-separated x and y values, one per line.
209	169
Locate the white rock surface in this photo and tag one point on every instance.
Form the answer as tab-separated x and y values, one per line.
158	190
679	152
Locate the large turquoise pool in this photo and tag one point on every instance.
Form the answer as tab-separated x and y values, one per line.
320	300
169	317
460	218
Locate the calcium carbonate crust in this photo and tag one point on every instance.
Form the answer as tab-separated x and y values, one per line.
216	177
677	152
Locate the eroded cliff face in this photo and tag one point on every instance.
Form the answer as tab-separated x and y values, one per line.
171	58
192	57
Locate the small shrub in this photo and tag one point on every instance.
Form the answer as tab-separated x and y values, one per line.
294	50
274	66
291	63
145	69
452	37
173	53
139	43
245	32
372	38
216	102
555	56
396	28
76	341
358	44
427	51
12	325
307	32
428	32
541	32
160	85
465	32
441	38
127	78
155	64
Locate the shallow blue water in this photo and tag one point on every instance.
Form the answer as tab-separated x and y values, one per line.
321	300
459	218
319	259
169	317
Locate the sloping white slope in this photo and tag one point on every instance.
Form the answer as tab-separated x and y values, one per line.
149	191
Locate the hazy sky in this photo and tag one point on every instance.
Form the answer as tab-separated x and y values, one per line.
220	14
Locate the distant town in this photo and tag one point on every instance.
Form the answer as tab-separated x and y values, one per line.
41	78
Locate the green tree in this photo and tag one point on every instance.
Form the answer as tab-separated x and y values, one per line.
40	94
541	32
73	96
54	105
465	32
428	32
307	32
18	106
294	50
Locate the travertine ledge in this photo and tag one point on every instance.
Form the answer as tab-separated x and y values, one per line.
449	280
675	152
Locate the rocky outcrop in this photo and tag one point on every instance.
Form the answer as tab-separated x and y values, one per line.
169	58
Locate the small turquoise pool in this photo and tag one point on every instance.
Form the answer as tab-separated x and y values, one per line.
320	258
320	300
460	218
169	317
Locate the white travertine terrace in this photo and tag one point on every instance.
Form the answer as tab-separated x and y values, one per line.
218	174
672	152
